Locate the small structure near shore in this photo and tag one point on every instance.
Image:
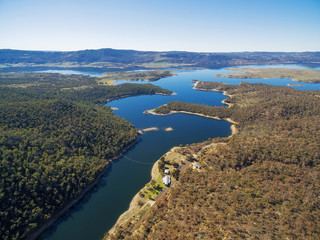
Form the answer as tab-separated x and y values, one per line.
166	180
166	171
197	166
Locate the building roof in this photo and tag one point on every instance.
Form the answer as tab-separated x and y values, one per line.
166	180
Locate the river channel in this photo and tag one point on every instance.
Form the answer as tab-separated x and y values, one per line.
99	210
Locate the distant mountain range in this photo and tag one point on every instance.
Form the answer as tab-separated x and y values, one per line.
126	59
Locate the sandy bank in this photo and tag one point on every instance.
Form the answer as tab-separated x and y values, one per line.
134	207
129	95
294	85
136	212
150	129
233	127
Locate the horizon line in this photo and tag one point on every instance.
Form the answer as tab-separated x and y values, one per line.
160	51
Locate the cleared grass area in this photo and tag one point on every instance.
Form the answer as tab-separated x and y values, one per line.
155	188
300	75
104	81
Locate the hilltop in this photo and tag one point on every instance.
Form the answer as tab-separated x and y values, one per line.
128	59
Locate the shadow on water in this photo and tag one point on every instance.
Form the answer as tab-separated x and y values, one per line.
81	204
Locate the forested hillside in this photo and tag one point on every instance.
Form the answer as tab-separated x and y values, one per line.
149	76
112	58
50	151
16	87
55	140
261	183
221	112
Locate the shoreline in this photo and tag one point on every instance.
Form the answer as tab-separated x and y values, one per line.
234	130
59	214
108	100
294	85
68	207
233	127
131	211
134	202
215	90
150	129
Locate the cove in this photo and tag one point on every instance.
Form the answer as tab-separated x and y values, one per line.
99	210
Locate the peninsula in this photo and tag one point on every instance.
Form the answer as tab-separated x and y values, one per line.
148	76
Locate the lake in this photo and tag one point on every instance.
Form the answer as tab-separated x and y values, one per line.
99	210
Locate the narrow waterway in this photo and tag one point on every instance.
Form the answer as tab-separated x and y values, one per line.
97	213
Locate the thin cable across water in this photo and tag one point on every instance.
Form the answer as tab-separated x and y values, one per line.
138	162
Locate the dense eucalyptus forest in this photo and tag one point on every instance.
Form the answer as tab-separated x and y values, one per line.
221	112
260	183
17	87
149	76
56	138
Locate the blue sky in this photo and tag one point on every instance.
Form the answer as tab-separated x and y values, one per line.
161	25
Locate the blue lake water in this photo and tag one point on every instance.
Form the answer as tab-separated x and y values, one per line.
73	71
99	210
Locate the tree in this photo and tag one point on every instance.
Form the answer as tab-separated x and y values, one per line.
176	173
161	166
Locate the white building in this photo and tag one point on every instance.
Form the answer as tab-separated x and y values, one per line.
166	171
166	180
197	166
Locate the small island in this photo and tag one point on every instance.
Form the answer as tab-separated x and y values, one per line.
150	129
299	75
294	85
